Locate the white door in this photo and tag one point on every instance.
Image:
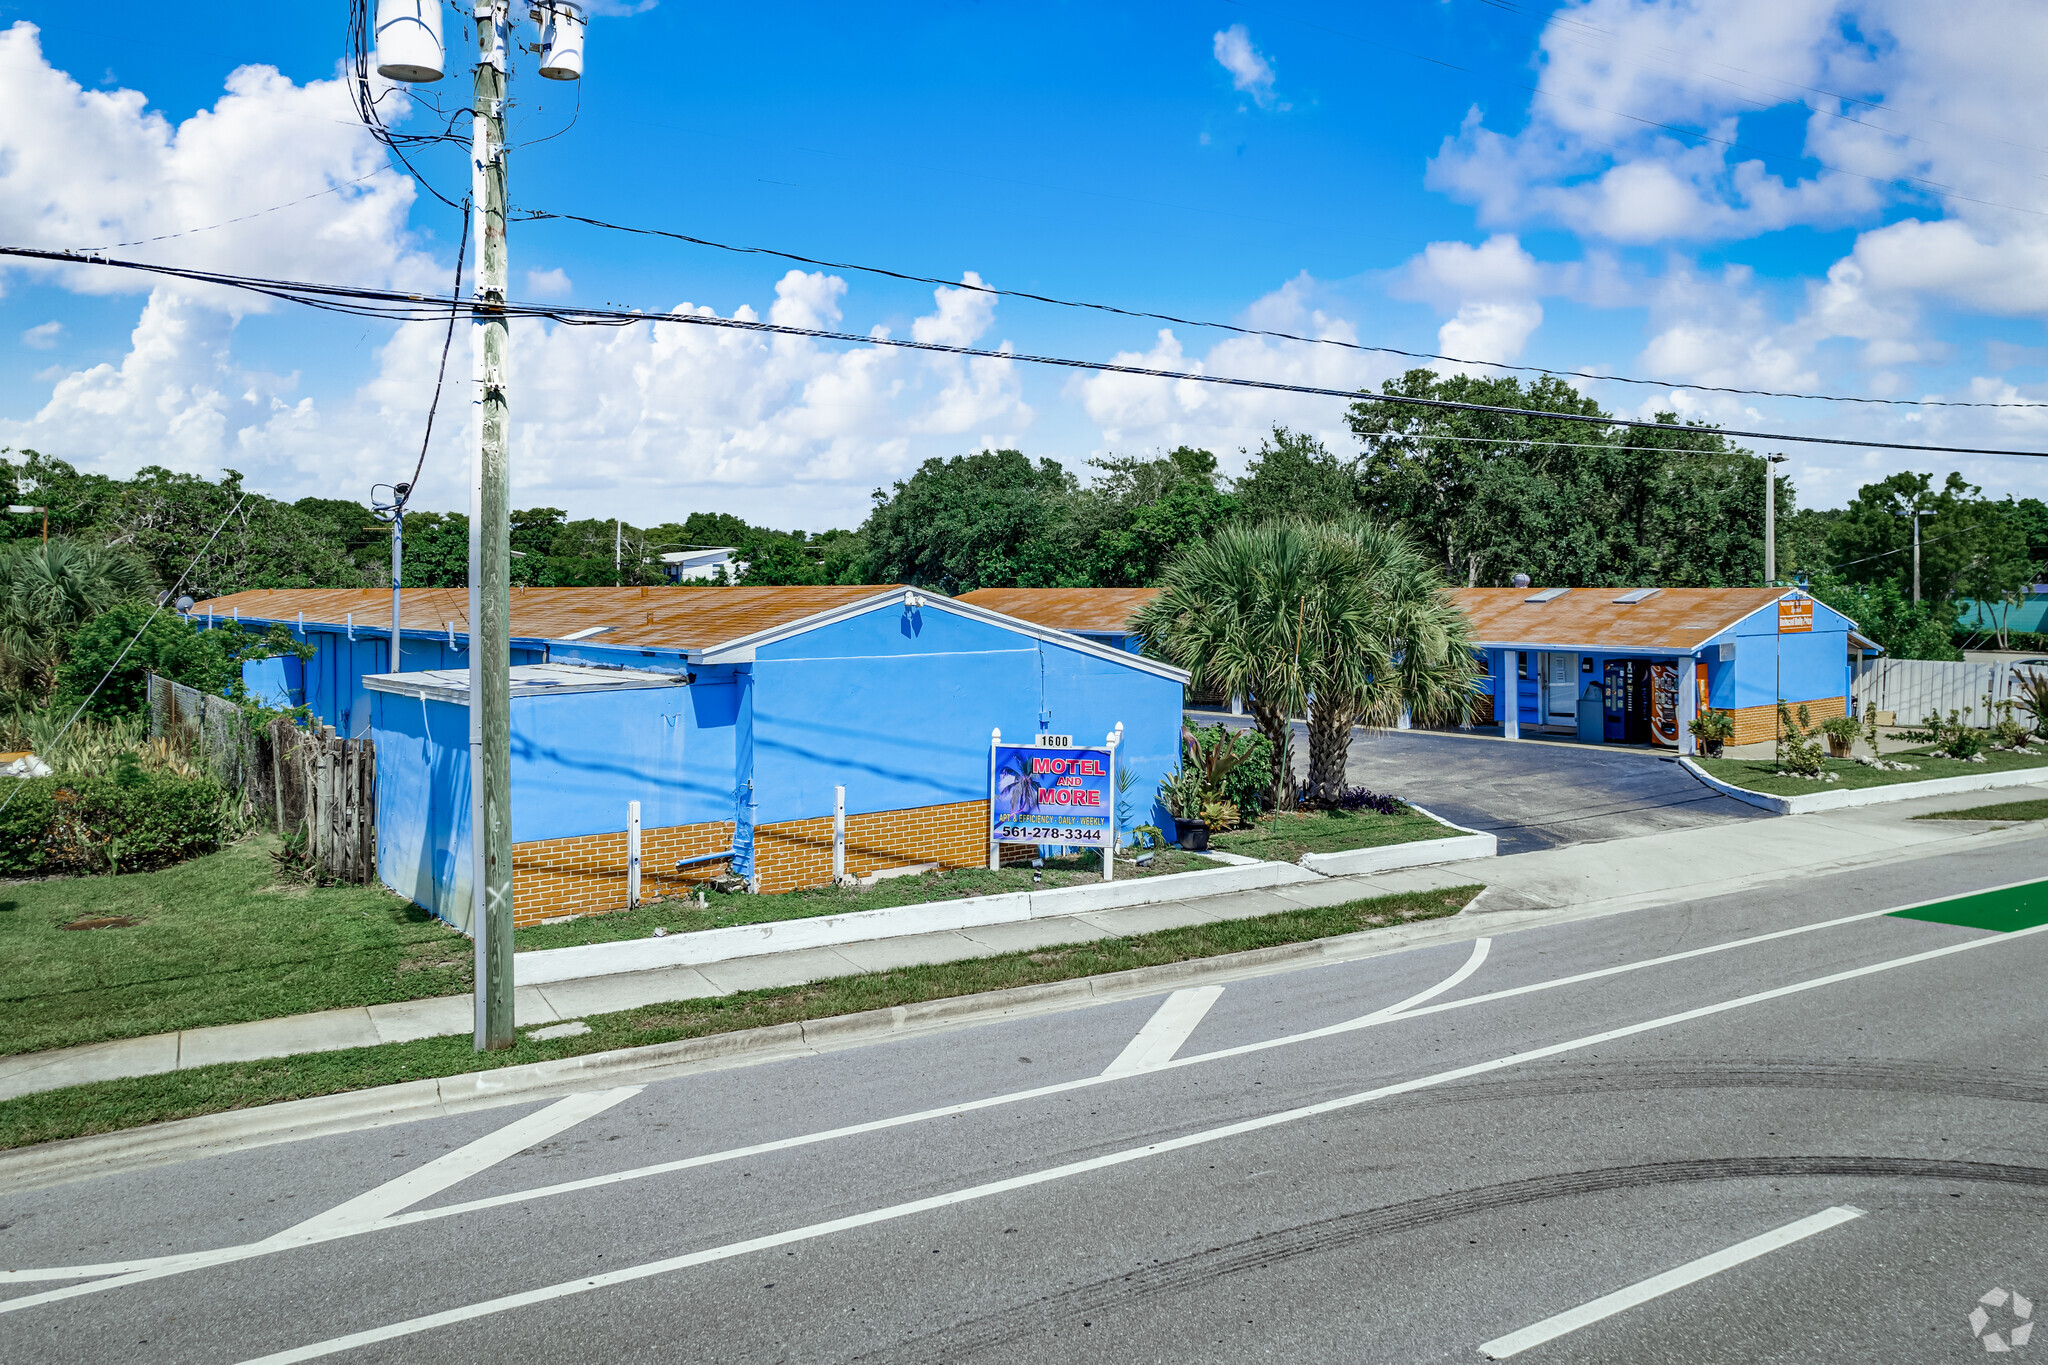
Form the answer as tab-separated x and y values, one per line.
1561	688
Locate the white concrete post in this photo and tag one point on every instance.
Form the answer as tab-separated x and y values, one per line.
632	855
838	835
995	850
1688	703
1109	849
1237	703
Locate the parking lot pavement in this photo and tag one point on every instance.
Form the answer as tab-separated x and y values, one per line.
1534	793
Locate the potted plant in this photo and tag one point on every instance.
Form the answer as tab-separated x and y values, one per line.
1841	732
1712	729
1181	794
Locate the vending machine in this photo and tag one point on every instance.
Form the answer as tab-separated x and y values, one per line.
1627	712
1664	705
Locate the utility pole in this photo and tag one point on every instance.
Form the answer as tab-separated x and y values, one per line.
490	547
1771	463
409	49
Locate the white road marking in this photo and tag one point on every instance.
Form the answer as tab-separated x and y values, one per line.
1165	1031
892	1212
1607	1305
1480	948
131	1271
459	1165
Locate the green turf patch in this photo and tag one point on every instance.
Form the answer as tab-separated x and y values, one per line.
104	1106
1284	836
2013	907
1760	774
2004	810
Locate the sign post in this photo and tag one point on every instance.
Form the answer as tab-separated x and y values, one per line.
1053	791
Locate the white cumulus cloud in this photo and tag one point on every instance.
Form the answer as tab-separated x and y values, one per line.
43	336
1248	68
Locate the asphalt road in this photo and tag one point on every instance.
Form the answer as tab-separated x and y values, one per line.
1533	793
1527	1141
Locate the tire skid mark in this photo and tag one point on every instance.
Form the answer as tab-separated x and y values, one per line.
1036	1317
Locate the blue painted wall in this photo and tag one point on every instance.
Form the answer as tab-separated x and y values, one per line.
423	803
1803	666
897	705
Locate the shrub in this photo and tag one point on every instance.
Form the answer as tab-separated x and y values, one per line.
1797	753
1842	727
131	821
1713	725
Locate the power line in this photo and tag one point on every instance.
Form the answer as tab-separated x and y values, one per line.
441	374
542	215
187	232
393	305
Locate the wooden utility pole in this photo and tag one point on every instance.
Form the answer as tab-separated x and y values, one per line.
490	548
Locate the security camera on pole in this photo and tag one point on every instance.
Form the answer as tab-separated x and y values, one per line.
409	49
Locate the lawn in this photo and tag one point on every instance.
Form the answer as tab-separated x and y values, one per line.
217	940
2009	810
105	1106
682	916
1760	774
1285	835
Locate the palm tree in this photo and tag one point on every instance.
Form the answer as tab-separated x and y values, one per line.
1392	640
1347	622
1232	610
47	591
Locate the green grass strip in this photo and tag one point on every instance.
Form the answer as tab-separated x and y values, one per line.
107	1106
2015	907
2007	810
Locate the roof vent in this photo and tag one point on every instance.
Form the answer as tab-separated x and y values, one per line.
1547	595
1629	599
1521	580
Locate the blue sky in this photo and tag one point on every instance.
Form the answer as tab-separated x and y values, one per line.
1495	181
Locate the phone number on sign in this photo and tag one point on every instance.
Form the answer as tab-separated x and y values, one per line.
1049	834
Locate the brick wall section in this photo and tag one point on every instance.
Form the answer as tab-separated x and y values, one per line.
798	853
1759	724
587	874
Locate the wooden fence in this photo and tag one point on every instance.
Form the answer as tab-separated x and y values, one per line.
304	780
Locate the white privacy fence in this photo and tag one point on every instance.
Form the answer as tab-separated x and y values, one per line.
1914	688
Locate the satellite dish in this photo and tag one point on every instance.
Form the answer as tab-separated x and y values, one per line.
566	26
409	40
184	603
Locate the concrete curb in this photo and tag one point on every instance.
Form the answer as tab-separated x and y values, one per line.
1357	862
57	1163
1870	796
864	926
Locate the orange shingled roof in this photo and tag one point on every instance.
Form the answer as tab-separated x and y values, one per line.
651	618
1674	618
1097	609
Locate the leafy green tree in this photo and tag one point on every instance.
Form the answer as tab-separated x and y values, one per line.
171	646
47	593
436	550
1294	475
359	535
1140	513
992	519
219	540
1963	536
1888	616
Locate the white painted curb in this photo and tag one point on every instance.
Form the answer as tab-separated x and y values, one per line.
863	926
1870	796
1360	862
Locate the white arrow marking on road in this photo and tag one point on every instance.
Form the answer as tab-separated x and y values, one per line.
457	1166
892	1212
1167	1029
1607	1305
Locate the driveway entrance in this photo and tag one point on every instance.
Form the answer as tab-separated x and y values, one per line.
1531	793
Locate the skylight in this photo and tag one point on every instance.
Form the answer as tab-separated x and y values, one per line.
1629	599
1547	595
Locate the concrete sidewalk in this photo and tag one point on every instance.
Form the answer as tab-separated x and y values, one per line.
1578	881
